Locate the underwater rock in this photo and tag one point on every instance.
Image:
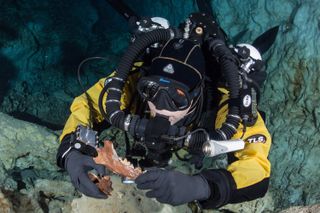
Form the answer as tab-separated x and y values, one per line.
27	151
291	101
5	204
124	198
303	209
30	181
29	178
290	95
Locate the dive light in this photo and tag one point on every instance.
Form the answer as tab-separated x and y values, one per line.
213	148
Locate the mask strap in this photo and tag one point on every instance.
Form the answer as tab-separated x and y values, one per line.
194	104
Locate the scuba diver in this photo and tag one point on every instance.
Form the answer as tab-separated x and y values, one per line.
176	89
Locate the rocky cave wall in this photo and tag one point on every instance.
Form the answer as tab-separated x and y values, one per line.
42	43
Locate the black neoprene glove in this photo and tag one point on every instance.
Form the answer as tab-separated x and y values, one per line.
195	149
78	165
173	187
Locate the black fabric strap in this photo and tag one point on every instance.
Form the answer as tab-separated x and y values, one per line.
251	192
64	146
231	158
123	9
208	119
234	102
224	190
263	115
221	185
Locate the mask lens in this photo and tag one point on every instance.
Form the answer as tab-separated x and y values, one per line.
180	99
180	93
152	91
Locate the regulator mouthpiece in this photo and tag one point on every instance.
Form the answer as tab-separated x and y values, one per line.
213	148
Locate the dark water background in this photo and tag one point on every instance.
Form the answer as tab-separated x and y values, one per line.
43	42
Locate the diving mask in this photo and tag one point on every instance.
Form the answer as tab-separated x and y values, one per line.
166	94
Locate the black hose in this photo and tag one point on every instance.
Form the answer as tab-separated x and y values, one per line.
113	113
230	68
91	109
100	102
228	64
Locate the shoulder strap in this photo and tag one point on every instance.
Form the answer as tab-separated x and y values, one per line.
212	98
208	119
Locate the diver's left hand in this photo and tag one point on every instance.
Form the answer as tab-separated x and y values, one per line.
173	187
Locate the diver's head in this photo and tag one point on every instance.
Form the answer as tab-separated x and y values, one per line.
173	85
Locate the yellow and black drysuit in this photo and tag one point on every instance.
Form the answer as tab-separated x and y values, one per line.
247	175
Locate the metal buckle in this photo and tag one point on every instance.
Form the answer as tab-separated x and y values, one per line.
86	140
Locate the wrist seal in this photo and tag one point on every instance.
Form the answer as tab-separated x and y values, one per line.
84	139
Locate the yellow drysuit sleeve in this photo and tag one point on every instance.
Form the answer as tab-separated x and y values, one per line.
247	175
80	112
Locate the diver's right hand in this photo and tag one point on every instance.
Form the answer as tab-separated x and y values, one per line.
78	165
195	148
